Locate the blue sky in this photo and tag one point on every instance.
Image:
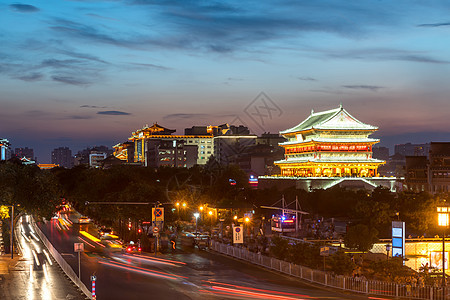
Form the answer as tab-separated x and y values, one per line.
84	73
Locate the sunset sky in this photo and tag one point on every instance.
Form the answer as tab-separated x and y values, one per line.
85	73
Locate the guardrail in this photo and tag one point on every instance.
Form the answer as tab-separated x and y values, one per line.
380	288
62	263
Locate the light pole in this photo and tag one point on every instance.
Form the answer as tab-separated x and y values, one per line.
210	213
246	221
443	221
196	215
388	248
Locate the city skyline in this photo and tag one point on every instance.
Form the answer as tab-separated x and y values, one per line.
85	73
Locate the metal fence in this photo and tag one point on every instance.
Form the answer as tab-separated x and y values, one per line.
62	263
347	283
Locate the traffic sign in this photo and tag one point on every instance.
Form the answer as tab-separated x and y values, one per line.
158	214
238	234
155	229
78	247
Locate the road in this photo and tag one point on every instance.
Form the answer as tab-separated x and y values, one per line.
185	274
24	278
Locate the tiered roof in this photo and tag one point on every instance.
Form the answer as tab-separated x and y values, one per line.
335	119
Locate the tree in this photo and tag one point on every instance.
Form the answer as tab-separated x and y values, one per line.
280	247
341	263
361	237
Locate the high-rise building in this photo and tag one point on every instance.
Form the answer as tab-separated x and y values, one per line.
439	167
5	149
409	149
24	152
62	156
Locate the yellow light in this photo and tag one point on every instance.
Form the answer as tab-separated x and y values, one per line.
443	215
235	217
177	204
210	212
184	204
201	207
247	219
443	219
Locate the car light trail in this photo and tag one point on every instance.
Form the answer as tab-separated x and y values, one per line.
253	294
89	236
35	257
258	290
26	238
34	236
48	257
149	259
143	271
86	242
155	258
141	268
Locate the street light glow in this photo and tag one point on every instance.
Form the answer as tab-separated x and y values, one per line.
201	207
443	215
210	212
247	219
184	204
196	215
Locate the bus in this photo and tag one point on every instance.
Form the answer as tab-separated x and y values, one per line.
283	223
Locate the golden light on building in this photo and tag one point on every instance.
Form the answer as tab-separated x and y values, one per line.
329	144
443	215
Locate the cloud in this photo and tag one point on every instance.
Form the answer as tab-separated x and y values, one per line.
185	116
71	80
31	77
382	54
305	78
372	88
92	106
113	113
78	117
151	66
434	24
24	8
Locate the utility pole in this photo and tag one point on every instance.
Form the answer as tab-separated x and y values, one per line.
12	232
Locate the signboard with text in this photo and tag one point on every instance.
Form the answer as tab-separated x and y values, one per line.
238	234
78	247
398	238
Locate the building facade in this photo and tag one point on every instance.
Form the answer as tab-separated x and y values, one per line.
329	144
5	149
439	168
24	152
62	156
329	148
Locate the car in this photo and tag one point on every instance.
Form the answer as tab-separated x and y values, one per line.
84	220
133	248
105	232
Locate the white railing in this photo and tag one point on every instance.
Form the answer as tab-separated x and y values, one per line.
62	263
357	285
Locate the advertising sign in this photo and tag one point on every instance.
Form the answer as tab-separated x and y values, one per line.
398	238
238	234
436	260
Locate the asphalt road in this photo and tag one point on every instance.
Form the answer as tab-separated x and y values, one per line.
185	274
34	275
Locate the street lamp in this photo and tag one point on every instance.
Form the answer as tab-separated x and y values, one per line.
388	248
196	215
443	221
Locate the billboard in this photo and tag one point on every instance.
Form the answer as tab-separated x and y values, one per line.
436	260
398	238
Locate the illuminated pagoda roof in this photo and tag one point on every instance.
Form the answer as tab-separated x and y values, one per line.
155	129
335	119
